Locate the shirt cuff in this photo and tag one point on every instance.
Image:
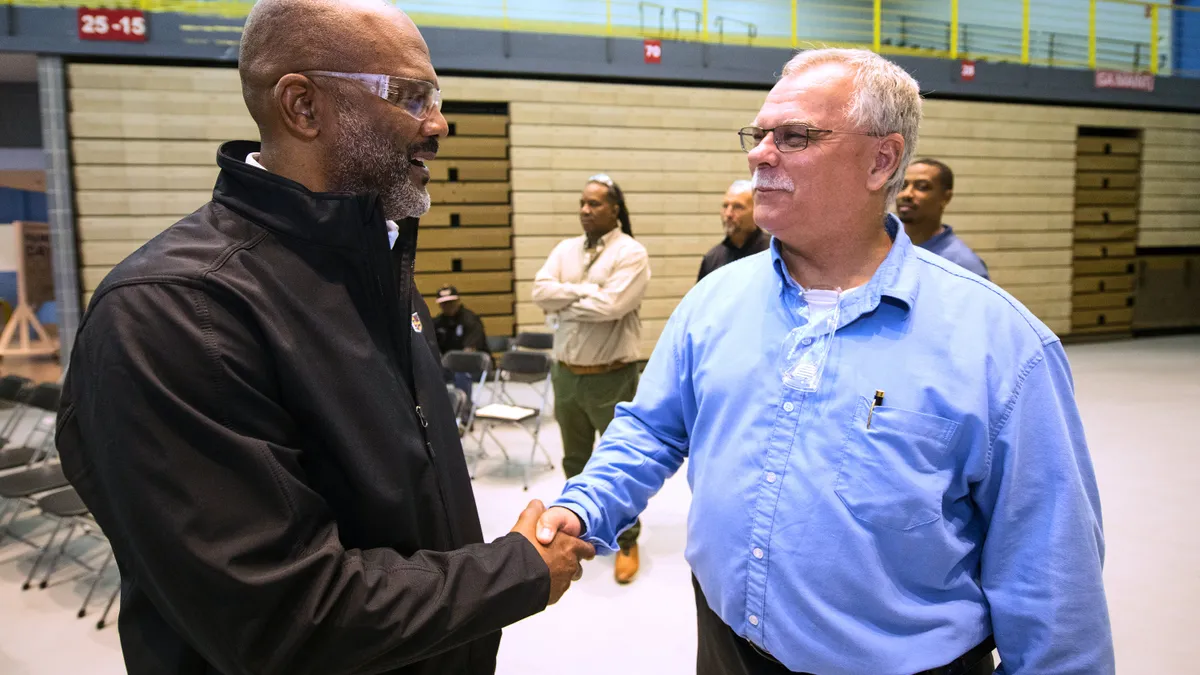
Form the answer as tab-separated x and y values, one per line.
595	531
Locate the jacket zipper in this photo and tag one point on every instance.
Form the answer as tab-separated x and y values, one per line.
405	286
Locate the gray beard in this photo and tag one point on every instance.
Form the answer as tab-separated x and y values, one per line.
369	161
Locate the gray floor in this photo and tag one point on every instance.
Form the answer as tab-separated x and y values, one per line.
1140	402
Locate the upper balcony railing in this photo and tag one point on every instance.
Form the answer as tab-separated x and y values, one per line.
1129	35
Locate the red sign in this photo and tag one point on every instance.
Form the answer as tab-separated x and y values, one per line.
1115	79
116	25
653	51
968	71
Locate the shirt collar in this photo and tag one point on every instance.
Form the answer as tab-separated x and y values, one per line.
605	240
896	279
393	228
759	234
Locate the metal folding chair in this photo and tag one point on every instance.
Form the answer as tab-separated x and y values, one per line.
532	368
534	341
43	401
13	389
499	343
476	366
66	507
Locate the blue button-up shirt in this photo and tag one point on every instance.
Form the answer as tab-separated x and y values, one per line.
967	507
949	246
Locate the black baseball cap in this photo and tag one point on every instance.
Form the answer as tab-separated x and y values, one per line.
447	293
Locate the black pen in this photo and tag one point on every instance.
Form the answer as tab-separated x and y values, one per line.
878	401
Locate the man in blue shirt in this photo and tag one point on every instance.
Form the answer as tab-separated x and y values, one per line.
927	190
887	464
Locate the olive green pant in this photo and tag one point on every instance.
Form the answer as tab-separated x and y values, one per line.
583	406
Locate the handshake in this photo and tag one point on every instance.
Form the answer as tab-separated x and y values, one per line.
562	554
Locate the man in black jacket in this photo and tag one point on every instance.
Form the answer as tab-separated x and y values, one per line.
254	411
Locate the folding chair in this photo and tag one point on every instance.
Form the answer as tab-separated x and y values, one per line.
66	507
532	368
535	341
497	344
21	488
473	365
42	400
12	399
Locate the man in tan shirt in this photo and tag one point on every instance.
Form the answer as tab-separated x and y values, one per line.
591	288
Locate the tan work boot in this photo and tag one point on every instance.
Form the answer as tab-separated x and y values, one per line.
626	567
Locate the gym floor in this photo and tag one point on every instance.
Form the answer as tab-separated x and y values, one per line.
1137	399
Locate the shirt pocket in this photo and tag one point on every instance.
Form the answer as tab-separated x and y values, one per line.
894	474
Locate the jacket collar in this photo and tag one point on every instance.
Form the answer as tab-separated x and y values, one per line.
328	218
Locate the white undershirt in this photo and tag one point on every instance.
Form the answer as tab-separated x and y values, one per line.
393	228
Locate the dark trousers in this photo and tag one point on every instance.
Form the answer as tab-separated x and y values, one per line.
719	651
584	405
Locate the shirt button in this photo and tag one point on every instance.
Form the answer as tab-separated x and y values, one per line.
758	553
770	476
753	620
806	342
788	407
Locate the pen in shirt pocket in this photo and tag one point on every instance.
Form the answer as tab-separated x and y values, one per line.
878	401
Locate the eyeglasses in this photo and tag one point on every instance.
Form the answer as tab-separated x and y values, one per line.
418	98
788	137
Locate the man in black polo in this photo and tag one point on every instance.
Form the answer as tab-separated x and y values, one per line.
742	237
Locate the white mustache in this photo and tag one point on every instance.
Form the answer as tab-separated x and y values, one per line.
772	181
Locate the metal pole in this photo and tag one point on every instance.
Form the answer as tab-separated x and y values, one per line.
1154	39
1025	31
1092	34
954	29
795	39
877	39
52	97
704	10
608	17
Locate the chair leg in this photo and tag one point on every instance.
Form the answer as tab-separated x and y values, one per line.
96	582
111	599
54	561
8	513
41	556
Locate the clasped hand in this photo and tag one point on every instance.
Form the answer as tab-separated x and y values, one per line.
563	555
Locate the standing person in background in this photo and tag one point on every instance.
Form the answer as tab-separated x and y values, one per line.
591	288
742	237
927	191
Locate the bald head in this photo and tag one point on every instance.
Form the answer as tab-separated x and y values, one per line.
352	36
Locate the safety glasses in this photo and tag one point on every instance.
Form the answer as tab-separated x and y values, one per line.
418	98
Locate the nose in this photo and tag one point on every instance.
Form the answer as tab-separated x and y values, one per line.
436	125
764	154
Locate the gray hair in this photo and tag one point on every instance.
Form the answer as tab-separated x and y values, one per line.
740	186
886	99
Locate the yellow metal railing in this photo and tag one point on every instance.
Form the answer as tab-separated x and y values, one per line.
1119	34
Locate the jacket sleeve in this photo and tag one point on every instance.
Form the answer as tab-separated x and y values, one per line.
175	428
474	336
550	292
620	294
1043	552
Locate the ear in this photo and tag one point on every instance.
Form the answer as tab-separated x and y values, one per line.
949	196
295	101
886	161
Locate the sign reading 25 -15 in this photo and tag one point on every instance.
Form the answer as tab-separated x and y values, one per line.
117	25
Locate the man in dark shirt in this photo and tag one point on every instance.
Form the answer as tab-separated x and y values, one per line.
742	237
928	188
458	328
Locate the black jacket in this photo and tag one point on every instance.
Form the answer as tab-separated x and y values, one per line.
461	331
267	442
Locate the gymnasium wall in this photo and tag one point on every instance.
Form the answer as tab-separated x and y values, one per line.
143	159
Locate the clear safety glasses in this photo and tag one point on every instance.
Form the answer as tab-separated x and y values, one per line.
418	98
806	348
